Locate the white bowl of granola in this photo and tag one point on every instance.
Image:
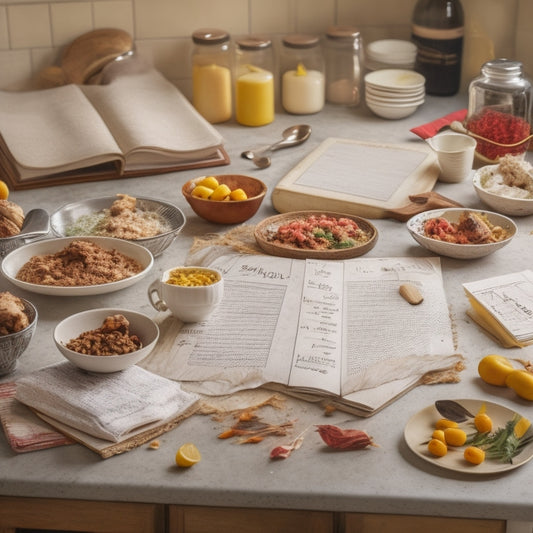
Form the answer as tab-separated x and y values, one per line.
506	187
107	339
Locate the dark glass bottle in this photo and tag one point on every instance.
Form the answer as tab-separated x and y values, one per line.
438	30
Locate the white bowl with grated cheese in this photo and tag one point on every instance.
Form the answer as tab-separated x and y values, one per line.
509	200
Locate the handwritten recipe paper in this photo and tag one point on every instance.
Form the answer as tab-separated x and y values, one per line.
317	329
503	306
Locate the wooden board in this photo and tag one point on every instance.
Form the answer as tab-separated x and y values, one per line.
357	178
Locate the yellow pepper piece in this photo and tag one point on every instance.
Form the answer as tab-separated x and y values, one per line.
301	70
220	193
521	427
200	191
209	181
238	194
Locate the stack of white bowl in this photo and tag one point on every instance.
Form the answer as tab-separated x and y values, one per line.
390	53
394	93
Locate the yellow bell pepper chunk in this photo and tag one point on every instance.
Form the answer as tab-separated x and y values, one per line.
521	427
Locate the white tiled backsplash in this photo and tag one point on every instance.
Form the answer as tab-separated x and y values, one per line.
33	33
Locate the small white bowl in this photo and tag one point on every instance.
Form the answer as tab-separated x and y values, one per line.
391	51
378	99
395	79
394	95
73	326
498	202
415	225
392	111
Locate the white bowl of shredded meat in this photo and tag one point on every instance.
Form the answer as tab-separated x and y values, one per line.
107	339
149	222
77	266
506	187
461	233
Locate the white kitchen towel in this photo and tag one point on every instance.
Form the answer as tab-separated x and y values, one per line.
107	406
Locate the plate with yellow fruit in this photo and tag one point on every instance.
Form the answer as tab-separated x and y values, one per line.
470	436
225	198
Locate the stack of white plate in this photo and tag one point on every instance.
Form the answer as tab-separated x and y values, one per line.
394	93
390	53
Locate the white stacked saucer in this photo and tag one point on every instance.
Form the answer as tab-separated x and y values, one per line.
390	53
394	93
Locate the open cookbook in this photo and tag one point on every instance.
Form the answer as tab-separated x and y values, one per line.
137	125
316	329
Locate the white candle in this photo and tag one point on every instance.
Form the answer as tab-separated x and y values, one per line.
303	93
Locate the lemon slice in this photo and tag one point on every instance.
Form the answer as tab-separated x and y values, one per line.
187	455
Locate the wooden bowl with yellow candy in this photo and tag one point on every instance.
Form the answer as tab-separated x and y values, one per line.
225	198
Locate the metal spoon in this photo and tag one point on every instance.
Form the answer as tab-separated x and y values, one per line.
291	137
36	222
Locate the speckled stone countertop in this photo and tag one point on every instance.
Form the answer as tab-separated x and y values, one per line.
388	479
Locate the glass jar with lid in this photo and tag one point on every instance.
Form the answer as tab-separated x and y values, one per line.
302	74
343	49
254	81
211	74
499	109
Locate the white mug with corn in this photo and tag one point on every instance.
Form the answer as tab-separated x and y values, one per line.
191	293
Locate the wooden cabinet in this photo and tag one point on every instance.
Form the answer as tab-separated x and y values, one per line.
42	514
80	515
222	520
378	523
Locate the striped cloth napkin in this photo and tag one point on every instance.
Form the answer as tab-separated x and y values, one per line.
25	431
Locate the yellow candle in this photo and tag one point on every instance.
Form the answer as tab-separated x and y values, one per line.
254	97
212	92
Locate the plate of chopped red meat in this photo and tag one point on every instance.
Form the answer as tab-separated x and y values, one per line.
316	234
461	233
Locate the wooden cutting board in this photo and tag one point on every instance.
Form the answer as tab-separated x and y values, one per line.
366	179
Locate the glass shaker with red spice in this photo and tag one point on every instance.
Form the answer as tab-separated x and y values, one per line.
499	110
